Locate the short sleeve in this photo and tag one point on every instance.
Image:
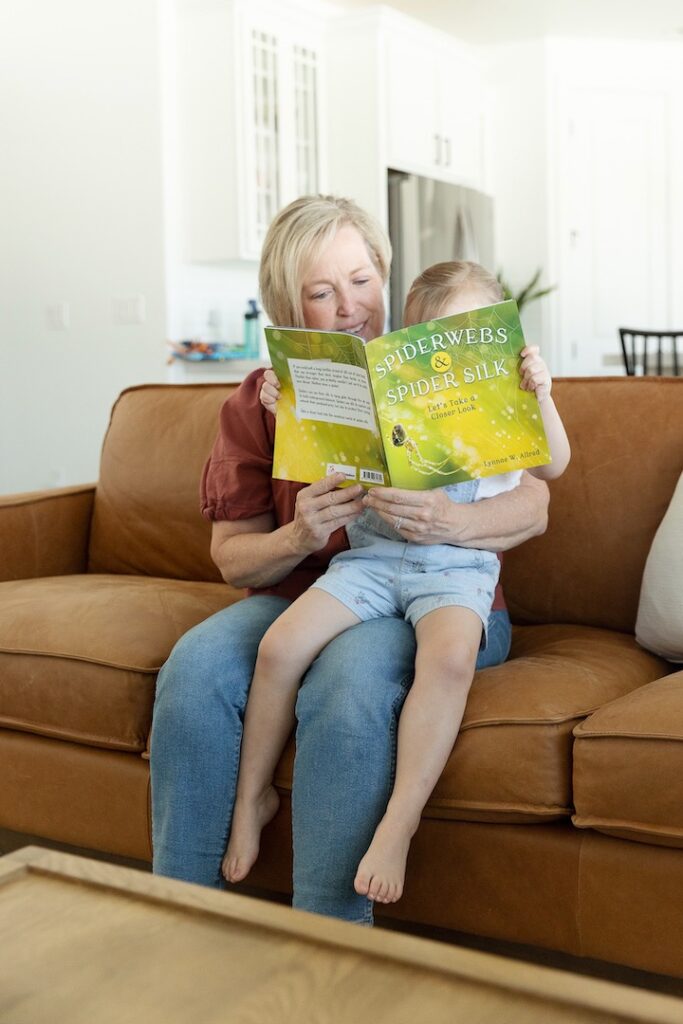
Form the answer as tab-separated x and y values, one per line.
237	478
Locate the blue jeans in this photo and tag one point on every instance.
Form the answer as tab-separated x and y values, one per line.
347	714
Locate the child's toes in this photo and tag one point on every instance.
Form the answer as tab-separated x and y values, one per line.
361	884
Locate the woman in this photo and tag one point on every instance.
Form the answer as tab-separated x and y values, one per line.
324	266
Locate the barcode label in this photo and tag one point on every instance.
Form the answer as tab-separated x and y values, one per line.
348	471
371	476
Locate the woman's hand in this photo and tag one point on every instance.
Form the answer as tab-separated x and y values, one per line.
322	508
535	374
270	391
256	553
493	524
421	517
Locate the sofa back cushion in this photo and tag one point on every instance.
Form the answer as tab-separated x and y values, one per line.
627	454
146	517
626	436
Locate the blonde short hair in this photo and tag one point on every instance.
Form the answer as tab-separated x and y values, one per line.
441	283
294	240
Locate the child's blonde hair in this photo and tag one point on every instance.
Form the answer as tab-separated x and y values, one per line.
441	283
294	240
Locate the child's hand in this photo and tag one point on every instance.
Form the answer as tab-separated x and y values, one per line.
535	374
270	391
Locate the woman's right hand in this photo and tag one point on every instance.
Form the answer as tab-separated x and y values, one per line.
323	507
270	391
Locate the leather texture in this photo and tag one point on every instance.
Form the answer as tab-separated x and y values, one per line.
45	533
512	760
146	517
628	765
91	646
98	799
627	455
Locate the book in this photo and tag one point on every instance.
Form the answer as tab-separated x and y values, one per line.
421	407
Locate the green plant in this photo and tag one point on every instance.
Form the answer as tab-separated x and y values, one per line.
527	294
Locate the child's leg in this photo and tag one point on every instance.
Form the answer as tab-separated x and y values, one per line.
289	647
447	645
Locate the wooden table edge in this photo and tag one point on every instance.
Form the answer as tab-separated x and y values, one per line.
470	965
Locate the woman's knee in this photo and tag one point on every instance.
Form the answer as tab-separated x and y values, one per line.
363	673
216	658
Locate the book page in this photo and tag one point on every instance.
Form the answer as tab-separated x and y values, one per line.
332	392
325	414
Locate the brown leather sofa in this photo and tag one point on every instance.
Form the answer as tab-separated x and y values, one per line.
558	821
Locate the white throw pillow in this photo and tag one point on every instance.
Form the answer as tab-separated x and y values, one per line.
659	625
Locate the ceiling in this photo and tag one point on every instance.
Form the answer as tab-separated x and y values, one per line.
496	21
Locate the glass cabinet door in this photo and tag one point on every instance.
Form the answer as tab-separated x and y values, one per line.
265	125
281	127
306	119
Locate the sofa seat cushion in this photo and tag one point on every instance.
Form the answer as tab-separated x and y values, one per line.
79	654
628	765
512	761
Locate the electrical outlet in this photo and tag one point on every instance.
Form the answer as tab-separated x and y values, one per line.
58	316
127	312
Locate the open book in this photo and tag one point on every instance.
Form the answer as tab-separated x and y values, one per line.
421	407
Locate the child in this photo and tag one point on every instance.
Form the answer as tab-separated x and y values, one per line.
445	591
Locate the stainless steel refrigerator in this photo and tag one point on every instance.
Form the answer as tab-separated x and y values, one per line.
430	221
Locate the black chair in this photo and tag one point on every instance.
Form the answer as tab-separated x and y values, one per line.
639	347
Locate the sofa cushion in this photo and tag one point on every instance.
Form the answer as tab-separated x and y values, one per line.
146	516
587	567
79	654
659	625
512	761
628	765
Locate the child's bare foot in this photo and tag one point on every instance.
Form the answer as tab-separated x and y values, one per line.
381	872
248	820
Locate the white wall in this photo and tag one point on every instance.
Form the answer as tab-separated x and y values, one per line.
204	301
616	141
519	159
81	214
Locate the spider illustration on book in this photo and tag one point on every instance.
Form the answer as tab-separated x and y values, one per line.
401	439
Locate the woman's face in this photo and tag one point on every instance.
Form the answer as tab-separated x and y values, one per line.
342	290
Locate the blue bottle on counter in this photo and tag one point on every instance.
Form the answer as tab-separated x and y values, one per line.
251	330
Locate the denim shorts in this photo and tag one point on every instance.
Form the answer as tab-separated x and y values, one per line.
409	580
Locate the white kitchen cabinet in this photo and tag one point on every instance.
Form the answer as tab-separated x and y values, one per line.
436	104
406	96
248	104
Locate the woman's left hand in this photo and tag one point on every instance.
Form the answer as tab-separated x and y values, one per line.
421	517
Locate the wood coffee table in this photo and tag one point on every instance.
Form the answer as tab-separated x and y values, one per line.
83	941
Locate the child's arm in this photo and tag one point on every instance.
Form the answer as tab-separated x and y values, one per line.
536	377
270	391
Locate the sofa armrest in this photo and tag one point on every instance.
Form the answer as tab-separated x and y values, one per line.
45	533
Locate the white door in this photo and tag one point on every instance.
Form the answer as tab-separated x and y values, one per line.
614	217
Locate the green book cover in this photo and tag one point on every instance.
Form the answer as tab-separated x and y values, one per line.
421	407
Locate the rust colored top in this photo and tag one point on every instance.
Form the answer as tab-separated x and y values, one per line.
237	483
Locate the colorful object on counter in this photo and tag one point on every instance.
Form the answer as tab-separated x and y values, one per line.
202	351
